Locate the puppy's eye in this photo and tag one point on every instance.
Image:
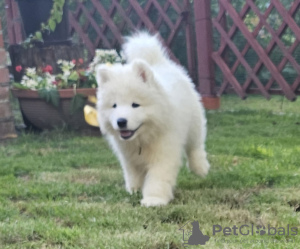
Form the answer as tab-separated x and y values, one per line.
135	105
114	106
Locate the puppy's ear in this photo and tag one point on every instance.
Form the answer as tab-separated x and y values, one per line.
102	75
143	70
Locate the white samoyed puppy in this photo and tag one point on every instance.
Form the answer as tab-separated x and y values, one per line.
151	114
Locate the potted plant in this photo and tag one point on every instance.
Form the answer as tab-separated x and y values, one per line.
50	100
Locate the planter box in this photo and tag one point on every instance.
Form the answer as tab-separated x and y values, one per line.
45	116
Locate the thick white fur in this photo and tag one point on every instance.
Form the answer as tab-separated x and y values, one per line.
171	118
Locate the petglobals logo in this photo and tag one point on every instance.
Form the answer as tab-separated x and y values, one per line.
192	234
246	230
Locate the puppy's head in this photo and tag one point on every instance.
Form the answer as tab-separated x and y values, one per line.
128	99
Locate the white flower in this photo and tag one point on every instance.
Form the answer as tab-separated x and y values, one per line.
103	56
50	79
67	73
31	71
32	84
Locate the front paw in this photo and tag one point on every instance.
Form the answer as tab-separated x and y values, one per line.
205	166
154	202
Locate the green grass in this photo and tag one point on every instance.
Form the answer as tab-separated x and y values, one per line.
62	190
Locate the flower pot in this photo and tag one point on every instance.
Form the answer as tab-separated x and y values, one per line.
35	12
45	116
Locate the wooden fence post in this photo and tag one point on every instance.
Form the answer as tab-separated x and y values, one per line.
7	128
14	26
206	80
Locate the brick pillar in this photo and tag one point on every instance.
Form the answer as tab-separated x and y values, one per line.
7	128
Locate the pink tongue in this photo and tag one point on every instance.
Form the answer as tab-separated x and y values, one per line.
126	133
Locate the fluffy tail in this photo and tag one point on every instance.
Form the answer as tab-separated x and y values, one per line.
144	46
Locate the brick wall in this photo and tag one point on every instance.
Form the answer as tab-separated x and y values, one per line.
7	129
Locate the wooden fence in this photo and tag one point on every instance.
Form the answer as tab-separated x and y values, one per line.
254	45
259	41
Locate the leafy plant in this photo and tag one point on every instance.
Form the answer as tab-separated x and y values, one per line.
50	96
77	103
55	18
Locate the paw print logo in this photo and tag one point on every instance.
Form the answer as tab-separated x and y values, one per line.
261	230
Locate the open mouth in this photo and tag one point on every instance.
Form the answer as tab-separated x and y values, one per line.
126	134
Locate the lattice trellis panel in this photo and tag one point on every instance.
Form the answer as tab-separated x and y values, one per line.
257	47
102	24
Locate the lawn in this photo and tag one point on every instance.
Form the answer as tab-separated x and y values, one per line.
62	190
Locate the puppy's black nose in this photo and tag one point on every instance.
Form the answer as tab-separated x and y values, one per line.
122	122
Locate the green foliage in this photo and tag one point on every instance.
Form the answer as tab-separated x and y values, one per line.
20	86
55	18
77	103
90	79
74	76
51	96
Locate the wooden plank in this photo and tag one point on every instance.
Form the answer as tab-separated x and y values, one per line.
175	5
83	35
257	91
94	25
190	41
259	50
205	68
241	59
221	18
146	9
287	18
123	14
160	18
10	24
144	17
282	64
230	77
17	23
247	46
163	14
86	12
270	47
174	31
233	28
14	25
296	83
111	12
275	38
107	19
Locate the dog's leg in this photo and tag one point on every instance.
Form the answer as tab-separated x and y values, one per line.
195	146
134	178
161	180
197	161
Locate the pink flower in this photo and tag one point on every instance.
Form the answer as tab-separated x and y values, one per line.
74	61
19	68
55	83
48	69
80	60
